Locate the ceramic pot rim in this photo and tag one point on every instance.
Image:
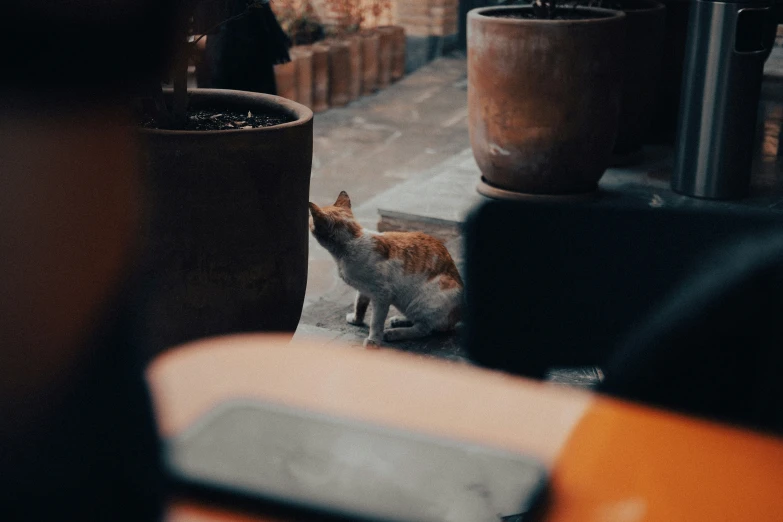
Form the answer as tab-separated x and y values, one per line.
605	16
302	113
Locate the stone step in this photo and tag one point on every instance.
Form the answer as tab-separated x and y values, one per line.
436	203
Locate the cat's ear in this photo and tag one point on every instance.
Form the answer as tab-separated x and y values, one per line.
343	200
315	211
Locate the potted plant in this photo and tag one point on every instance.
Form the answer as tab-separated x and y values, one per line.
392	44
377	19
286	79
302	56
353	28
346	55
307	34
309	71
381	17
544	91
398	55
370	45
227	174
321	85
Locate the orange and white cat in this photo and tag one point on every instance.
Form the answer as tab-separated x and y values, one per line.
410	270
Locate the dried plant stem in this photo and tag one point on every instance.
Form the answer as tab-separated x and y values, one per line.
179	106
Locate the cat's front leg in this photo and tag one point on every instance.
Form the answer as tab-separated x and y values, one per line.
380	309
359	309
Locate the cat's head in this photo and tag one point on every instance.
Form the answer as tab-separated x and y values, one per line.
334	226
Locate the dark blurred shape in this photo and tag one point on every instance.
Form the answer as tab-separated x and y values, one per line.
94	45
669	87
564	285
715	347
241	53
95	454
77	435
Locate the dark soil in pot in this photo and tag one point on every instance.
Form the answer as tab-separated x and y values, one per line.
562	14
225	119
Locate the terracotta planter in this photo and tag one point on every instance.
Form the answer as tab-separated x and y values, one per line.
544	98
303	56
339	73
226	246
645	29
398	53
285	80
355	51
320	77
386	41
370	54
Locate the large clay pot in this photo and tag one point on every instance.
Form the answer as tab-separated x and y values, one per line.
303	56
285	79
226	248
645	29
398	53
544	98
320	77
339	73
355	51
387	37
370	50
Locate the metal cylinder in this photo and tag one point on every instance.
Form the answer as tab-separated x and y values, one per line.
723	70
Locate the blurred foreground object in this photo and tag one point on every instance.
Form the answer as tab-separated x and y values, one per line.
78	439
87	44
77	435
713	348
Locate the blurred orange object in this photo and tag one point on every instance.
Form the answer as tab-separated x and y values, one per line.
610	460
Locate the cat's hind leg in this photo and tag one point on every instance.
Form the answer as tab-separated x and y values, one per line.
400	321
359	309
411	332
